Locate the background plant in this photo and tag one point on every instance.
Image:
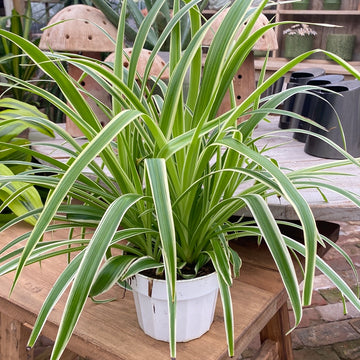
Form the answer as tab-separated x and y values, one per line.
136	16
172	173
12	60
15	64
300	29
18	197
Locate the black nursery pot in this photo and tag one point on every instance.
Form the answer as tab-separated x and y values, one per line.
297	78
347	107
305	104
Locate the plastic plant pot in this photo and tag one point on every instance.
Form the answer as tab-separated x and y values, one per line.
344	108
304	104
195	308
301	5
341	45
331	4
297	78
297	44
275	88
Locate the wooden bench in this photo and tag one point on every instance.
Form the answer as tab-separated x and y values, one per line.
110	331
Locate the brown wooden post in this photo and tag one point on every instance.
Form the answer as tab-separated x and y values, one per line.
13	339
69	355
244	85
268	351
276	330
19	6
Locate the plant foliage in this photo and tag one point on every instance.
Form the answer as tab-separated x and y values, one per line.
12	60
172	171
15	119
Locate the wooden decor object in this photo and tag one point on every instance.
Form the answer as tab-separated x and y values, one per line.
157	68
81	29
244	80
77	29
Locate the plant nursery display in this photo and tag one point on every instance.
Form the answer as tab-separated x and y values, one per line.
166	175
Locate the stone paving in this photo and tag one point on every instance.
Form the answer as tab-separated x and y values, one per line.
325	332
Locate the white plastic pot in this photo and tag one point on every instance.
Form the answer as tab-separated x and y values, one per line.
196	300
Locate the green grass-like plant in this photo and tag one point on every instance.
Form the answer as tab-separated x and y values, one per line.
17	198
173	172
12	60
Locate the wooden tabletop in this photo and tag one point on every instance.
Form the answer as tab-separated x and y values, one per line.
110	331
291	155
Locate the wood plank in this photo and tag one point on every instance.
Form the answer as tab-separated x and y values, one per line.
13	338
276	330
330	67
244	85
268	351
19	6
253	254
67	355
322	12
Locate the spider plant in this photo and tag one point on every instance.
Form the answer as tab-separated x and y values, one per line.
173	172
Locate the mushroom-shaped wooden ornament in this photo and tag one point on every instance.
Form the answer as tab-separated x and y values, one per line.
81	29
158	67
244	79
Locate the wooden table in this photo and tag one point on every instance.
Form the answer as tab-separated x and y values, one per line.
110	331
